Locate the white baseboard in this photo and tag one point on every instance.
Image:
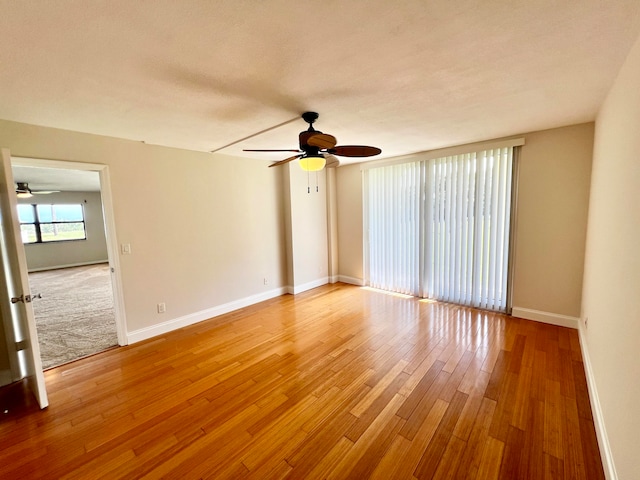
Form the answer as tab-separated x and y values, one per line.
307	286
334	279
546	317
186	320
68	265
351	280
598	419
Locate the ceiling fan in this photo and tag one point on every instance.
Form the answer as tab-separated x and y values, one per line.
317	149
23	191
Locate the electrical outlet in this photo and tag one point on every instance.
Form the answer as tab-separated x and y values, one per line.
162	307
265	281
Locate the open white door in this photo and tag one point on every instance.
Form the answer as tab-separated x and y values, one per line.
14	283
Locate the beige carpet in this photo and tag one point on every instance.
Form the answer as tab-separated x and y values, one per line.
75	315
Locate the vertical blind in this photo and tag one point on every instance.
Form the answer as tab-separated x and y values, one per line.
439	228
394	228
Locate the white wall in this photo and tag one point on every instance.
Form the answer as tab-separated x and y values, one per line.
43	256
308	243
350	226
205	230
553	200
611	298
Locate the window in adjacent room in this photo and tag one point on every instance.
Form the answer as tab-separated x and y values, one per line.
51	223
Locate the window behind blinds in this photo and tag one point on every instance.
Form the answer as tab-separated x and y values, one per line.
439	228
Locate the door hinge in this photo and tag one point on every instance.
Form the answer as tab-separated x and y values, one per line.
22	345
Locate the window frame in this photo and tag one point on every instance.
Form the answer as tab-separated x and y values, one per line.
37	223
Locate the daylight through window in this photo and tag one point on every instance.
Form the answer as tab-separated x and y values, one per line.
439	228
51	223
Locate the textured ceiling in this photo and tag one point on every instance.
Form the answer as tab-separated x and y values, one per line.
404	76
64	180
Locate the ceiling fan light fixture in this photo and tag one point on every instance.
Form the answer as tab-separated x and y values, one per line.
312	163
24	195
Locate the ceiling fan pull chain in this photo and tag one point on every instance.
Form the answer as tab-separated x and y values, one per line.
308	183
317	182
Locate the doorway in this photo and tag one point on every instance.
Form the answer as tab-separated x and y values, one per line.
67	228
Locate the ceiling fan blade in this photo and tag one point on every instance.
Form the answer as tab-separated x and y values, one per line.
286	160
322	140
332	161
354	151
250	150
44	192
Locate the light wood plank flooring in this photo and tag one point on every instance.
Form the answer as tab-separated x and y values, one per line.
338	382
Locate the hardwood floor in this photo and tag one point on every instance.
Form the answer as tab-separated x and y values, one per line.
338	382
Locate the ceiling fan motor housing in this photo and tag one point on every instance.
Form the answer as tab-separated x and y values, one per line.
304	139
309	117
314	145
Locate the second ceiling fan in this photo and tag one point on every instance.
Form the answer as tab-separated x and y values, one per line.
23	190
317	149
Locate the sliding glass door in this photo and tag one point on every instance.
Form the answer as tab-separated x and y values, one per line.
440	228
